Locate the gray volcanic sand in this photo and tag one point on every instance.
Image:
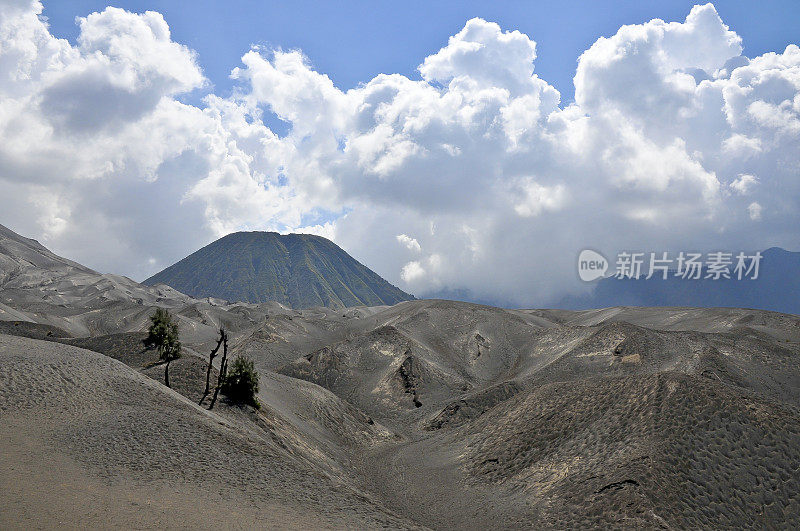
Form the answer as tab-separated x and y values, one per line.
89	442
431	413
565	419
428	413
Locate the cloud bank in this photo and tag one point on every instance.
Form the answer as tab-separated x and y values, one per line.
474	177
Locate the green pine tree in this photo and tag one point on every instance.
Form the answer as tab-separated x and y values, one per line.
163	335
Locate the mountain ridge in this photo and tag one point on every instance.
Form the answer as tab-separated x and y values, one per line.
776	289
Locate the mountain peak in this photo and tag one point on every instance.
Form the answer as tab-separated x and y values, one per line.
298	270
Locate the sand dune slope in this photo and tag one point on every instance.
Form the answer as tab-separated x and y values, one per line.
88	441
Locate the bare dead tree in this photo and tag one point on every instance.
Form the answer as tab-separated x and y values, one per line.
223	369
211	363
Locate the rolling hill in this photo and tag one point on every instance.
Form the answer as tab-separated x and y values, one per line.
297	270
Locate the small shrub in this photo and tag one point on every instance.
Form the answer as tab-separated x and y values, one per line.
241	382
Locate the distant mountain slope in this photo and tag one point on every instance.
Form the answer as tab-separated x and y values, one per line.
42	292
299	270
18	253
777	289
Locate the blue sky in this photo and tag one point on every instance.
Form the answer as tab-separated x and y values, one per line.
354	41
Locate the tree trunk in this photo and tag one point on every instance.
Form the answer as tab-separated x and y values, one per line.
223	369
208	376
211	360
166	374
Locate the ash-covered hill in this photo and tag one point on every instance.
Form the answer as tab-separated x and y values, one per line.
644	418
37	286
297	270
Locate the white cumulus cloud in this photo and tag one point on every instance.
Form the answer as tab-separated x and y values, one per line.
754	209
502	183
409	243
744	183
